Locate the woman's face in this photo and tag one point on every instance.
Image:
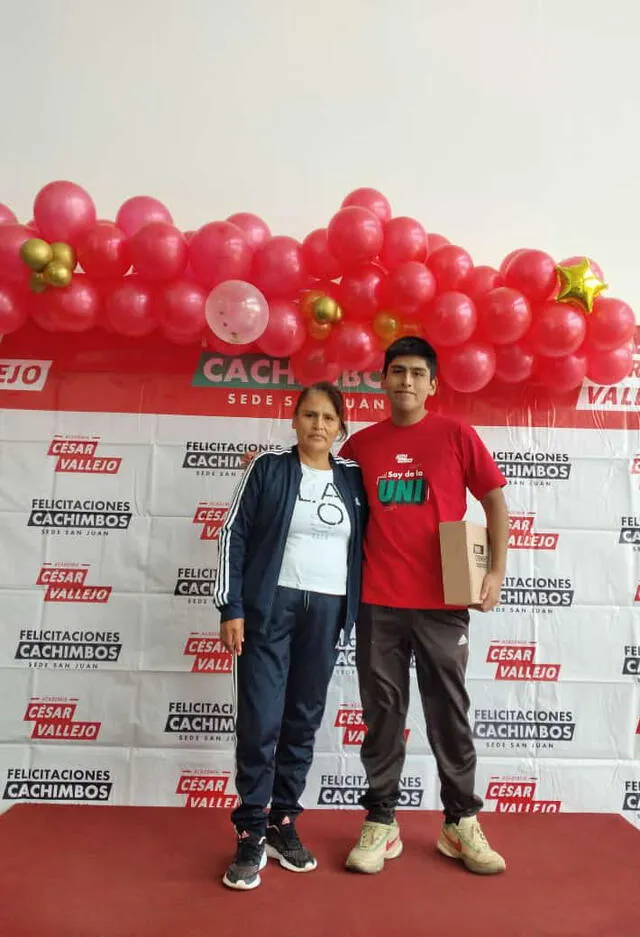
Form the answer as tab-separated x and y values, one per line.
316	423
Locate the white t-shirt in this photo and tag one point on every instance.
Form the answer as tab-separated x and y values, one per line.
315	554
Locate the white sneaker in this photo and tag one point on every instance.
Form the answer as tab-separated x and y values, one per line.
378	842
465	840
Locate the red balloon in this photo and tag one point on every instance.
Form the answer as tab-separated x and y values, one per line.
231	350
31	226
468	368
130	308
255	230
561	374
572	261
312	364
14	308
507	260
409	287
285	333
450	320
479	281
362	290
611	323
104	252
6	215
217	252
557	330
159	251
374	201
352	345
450	266
141	210
181	311
504	316
12	237
533	273
279	270
376	362
514	363
605	367
188	235
404	239
76	308
319	260
435	241
355	235
64	211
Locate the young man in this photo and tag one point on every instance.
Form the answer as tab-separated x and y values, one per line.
417	467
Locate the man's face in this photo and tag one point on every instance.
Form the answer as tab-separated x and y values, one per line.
408	384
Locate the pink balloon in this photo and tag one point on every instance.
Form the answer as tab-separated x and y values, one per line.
219	251
479	281
285	333
532	273
64	211
320	261
104	252
130	308
279	269
6	215
159	251
410	287
514	363
611	323
370	199
504	316
14	308
355	235
352	345
450	320
572	261
605	367
361	291
450	266
557	330
468	368
75	308
141	210
236	312
12	237
255	230
404	239
181	311
434	241
312	364
561	374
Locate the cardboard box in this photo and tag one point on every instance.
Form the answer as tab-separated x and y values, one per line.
464	549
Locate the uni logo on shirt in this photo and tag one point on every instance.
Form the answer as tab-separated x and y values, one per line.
401	490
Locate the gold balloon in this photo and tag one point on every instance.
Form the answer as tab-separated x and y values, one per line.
338	317
386	326
36	283
319	330
579	284
57	274
36	254
307	301
325	309
64	254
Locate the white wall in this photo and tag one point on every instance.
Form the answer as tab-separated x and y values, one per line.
501	123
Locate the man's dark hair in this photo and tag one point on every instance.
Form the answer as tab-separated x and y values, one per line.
334	395
412	346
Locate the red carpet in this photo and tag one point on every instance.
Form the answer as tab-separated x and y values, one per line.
153	872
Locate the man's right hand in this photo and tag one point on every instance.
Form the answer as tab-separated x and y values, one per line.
246	459
232	635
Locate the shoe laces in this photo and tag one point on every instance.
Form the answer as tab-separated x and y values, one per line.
249	850
477	837
369	835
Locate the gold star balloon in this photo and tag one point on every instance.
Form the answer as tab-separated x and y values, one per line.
579	284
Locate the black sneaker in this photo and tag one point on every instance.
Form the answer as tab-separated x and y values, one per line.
244	871
284	845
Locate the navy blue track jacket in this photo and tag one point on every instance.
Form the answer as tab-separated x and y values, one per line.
253	536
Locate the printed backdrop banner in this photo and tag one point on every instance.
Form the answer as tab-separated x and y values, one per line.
118	465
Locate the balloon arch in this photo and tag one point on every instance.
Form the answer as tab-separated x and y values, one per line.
332	302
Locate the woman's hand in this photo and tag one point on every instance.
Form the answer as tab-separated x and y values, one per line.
246	459
232	635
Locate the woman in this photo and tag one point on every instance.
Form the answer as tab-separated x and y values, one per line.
288	581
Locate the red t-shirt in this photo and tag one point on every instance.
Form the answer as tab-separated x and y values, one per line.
415	476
